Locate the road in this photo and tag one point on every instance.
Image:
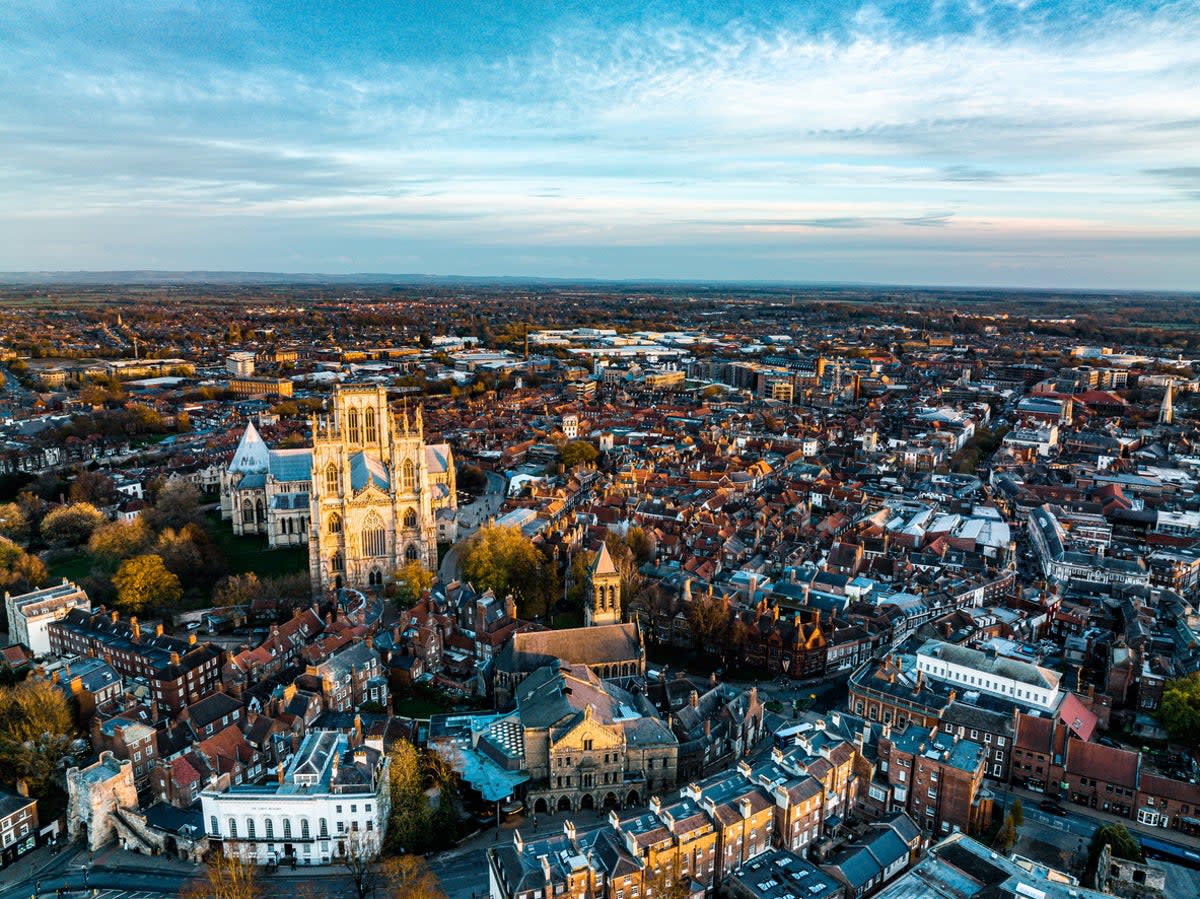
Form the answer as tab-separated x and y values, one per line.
470	518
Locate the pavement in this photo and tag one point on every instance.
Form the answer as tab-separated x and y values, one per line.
110	871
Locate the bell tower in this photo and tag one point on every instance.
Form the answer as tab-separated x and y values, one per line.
604	594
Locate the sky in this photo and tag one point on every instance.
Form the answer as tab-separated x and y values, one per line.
981	142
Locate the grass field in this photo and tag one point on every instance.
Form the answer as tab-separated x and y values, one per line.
72	567
251	553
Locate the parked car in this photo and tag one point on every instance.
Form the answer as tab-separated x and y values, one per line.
1050	807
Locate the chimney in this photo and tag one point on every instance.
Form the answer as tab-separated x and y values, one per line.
744	807
115	616
518	842
569	830
695	699
192	639
545	867
54	677
23	788
158	630
174	658
357	729
135	627
280	769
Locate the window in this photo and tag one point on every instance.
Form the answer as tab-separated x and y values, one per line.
409	475
411	554
352	425
270	829
304	829
337	562
999	741
323	829
250	828
374	537
369	424
287	828
331	478
212	826
335	523
233	828
410	518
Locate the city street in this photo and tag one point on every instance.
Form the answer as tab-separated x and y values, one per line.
470	518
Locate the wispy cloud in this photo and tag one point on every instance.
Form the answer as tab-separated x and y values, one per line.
662	124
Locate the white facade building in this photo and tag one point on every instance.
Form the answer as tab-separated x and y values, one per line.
1015	680
332	801
31	614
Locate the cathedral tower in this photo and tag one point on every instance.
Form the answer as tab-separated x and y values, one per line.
371	500
604	591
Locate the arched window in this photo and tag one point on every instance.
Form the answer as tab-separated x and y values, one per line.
336	562
270	829
287	828
352	425
335	523
410	518
331	478
212	826
247	511
374	537
250	828
410	475
411	553
369	423
233	828
324	829
375	578
304	834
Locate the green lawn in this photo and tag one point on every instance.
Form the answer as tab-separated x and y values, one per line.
73	567
250	553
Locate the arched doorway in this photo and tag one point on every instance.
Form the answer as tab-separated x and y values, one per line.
632	798
587	802
539	807
337	582
564	804
611	801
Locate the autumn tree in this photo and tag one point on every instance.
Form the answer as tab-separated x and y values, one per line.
14	523
1179	711
176	505
225	878
410	821
71	525
237	589
36	728
1120	842
641	544
410	582
20	571
579	452
1006	836
92	487
117	540
708	618
144	582
1018	813
504	560
408	877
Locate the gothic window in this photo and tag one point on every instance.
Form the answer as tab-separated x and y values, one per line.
410	518
374	537
411	553
410	475
247	511
352	425
331	478
369	422
335	523
336	562
375	578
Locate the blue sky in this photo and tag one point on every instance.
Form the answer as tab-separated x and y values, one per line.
1007	142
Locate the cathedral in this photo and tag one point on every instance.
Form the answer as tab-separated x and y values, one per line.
364	497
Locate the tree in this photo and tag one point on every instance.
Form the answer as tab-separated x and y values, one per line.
359	861
36	729
664	881
504	560
92	487
144	582
225	878
190	553
14	523
709	621
1121	844
237	589
410	821
579	452
1180	709
409	877
411	582
641	544
1006	837
20	571
1018	813
117	540
71	525
176	506
472	479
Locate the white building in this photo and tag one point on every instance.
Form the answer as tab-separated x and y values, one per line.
240	365
30	614
1012	679
333	800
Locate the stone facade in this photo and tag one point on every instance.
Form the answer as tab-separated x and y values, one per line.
94	797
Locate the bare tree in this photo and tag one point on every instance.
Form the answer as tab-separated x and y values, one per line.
225	878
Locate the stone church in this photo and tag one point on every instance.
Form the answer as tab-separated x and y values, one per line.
364	497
